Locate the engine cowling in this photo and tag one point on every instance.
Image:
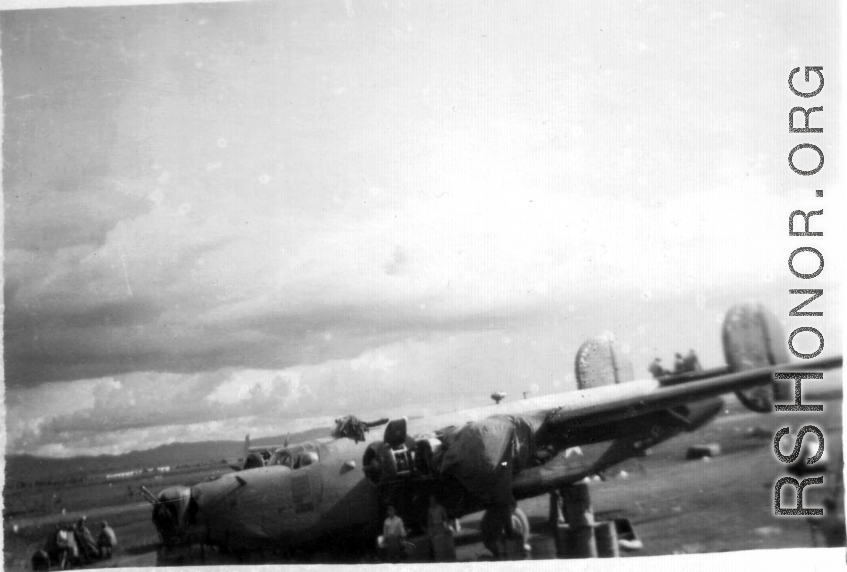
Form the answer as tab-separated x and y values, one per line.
386	462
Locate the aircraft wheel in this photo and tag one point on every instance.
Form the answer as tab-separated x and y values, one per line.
520	524
520	527
493	530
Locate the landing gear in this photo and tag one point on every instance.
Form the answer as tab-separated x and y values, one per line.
582	536
501	527
577	538
555	517
520	528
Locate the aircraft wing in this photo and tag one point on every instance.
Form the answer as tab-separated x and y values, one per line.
633	399
618	402
498	452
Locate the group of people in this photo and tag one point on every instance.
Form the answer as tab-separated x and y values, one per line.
689	363
68	545
102	547
438	530
91	548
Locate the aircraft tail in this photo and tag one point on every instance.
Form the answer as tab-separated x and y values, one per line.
600	361
245	454
753	338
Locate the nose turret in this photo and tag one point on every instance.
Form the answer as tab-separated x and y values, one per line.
170	513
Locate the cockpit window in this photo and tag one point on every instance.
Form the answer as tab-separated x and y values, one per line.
296	456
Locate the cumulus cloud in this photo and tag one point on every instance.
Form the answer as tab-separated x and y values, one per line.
96	416
208	253
420	375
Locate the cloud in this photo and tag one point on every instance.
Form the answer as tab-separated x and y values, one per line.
184	245
178	293
101	415
243	234
423	374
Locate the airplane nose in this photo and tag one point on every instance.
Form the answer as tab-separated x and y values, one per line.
193	509
201	500
170	512
210	497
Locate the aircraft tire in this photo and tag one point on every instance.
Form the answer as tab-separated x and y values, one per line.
520	525
493	535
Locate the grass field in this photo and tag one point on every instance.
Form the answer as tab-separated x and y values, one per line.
35	513
40	500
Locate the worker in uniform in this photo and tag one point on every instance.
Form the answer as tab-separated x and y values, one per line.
439	532
393	533
107	540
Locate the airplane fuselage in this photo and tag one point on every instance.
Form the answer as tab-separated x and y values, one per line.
278	506
483	458
281	506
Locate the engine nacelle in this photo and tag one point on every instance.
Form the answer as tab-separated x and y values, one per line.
412	458
754	338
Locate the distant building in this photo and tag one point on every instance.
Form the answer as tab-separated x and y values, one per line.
136	472
124	475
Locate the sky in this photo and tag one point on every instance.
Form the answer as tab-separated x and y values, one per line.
258	217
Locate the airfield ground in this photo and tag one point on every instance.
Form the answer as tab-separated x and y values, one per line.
676	505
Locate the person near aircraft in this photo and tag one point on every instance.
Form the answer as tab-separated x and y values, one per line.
439	532
107	540
692	362
85	539
678	363
61	546
656	368
393	533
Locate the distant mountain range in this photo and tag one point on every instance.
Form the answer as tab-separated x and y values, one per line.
32	468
